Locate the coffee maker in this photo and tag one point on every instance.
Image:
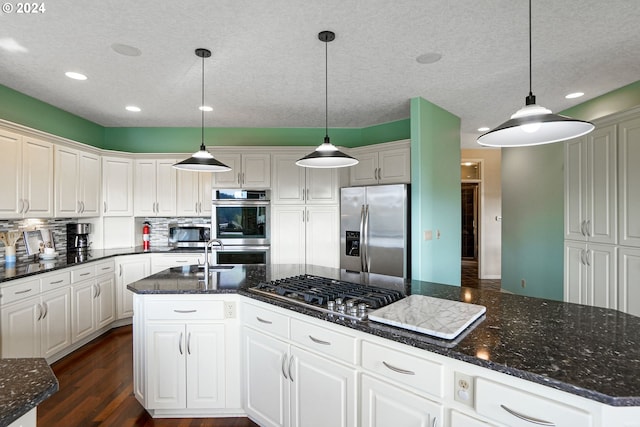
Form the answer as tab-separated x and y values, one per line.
78	240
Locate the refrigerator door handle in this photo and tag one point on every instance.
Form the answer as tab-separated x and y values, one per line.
367	258
362	242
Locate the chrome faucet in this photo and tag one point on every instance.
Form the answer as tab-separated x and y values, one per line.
206	254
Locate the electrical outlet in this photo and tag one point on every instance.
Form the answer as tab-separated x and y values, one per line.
428	235
523	283
229	310
463	390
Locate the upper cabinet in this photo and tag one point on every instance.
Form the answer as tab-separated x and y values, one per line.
26	172
629	180
117	186
193	197
77	183
248	170
293	184
387	163
154	188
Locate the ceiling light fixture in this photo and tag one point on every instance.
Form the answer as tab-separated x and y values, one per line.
326	155
574	95
534	124
205	108
132	108
75	76
202	160
483	129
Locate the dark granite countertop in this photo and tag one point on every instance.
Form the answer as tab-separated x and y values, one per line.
24	384
582	350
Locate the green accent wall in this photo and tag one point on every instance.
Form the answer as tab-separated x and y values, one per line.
533	204
435	193
22	109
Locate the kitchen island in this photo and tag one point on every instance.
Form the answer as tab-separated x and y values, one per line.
586	357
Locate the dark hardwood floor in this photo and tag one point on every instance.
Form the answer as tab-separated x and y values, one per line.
469	277
96	389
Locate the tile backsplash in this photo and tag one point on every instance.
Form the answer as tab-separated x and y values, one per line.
58	228
160	228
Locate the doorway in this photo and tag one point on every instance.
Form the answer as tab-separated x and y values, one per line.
469	229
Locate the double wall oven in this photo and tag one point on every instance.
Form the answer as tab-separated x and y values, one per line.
240	219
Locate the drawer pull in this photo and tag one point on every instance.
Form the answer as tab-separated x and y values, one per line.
22	292
83	274
184	311
261	320
106	268
398	370
317	341
527	418
56	282
181	261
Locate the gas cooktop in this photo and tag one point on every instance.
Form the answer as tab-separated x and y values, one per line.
336	297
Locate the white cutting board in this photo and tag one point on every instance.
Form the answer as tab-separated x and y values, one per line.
433	316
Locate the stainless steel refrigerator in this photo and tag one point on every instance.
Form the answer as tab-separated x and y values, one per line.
374	229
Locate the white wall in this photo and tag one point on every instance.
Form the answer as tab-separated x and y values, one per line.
490	247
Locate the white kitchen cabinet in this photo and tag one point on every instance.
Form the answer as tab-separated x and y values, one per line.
459	419
387	163
293	184
161	262
129	269
305	234
591	274
591	187
629	280
77	183
193	197
386	405
629	180
117	186
92	299
248	170
154	190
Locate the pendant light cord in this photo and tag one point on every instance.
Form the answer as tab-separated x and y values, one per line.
326	90
202	105
530	66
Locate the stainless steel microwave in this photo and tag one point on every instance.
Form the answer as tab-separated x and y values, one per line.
189	235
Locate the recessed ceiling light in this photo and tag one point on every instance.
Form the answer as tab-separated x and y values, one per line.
574	95
132	108
483	129
429	58
126	50
11	45
205	108
75	76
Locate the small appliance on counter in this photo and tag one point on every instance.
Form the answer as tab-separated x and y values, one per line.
78	237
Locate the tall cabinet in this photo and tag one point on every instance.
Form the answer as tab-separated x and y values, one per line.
602	214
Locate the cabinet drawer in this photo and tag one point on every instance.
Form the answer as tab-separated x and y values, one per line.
266	320
461	420
184	310
53	281
323	340
400	367
19	291
83	273
517	408
105	268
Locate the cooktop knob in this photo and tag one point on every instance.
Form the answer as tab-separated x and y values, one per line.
331	305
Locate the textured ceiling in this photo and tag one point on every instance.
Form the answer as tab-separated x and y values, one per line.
267	67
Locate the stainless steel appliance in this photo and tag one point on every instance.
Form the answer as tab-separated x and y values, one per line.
258	254
375	229
189	236
78	237
336	297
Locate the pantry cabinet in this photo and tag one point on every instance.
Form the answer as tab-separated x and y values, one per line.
628	274
77	183
591	274
386	163
117	186
154	188
629	180
293	184
248	170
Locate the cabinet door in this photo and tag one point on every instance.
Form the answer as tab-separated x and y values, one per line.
165	188
461	420
322	236
105	301
166	366
323	392
289	179
628	282
256	171
89	184
602	199
11	203
56	321
288	239
83	310
267	382
205	366
230	179
601	276
385	405
21	329
188	193
394	166
629	177
129	269
321	186
144	190
66	182
575	189
117	186
37	178
365	172
575	272
206	195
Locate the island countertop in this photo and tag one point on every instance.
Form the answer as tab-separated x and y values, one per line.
583	350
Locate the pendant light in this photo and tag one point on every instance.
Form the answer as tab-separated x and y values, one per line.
326	155
202	160
534	124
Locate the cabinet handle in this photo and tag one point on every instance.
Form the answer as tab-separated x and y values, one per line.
39	313
22	292
180	344
290	363
179	261
398	370
189	343
21	205
99	290
27	206
105	206
184	311
78	207
435	422
120	273
317	341
106	268
375	174
588	257
261	320
582	251
243	178
588	228
379	174
284	360
83	274
239	181
82	207
56	282
527	418
46	309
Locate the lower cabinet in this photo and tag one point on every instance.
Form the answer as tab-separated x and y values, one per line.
461	420
129	269
93	305
628	274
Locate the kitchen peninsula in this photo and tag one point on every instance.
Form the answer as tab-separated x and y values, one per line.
528	358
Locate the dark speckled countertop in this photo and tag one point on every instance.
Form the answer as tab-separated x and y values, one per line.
586	351
24	384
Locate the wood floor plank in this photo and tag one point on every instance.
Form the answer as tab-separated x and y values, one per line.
96	390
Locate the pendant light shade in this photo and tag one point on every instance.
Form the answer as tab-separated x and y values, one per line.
202	160
326	155
534	124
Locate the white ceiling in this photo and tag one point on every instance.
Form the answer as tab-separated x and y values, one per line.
267	68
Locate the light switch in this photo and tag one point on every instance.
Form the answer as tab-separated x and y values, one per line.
428	235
